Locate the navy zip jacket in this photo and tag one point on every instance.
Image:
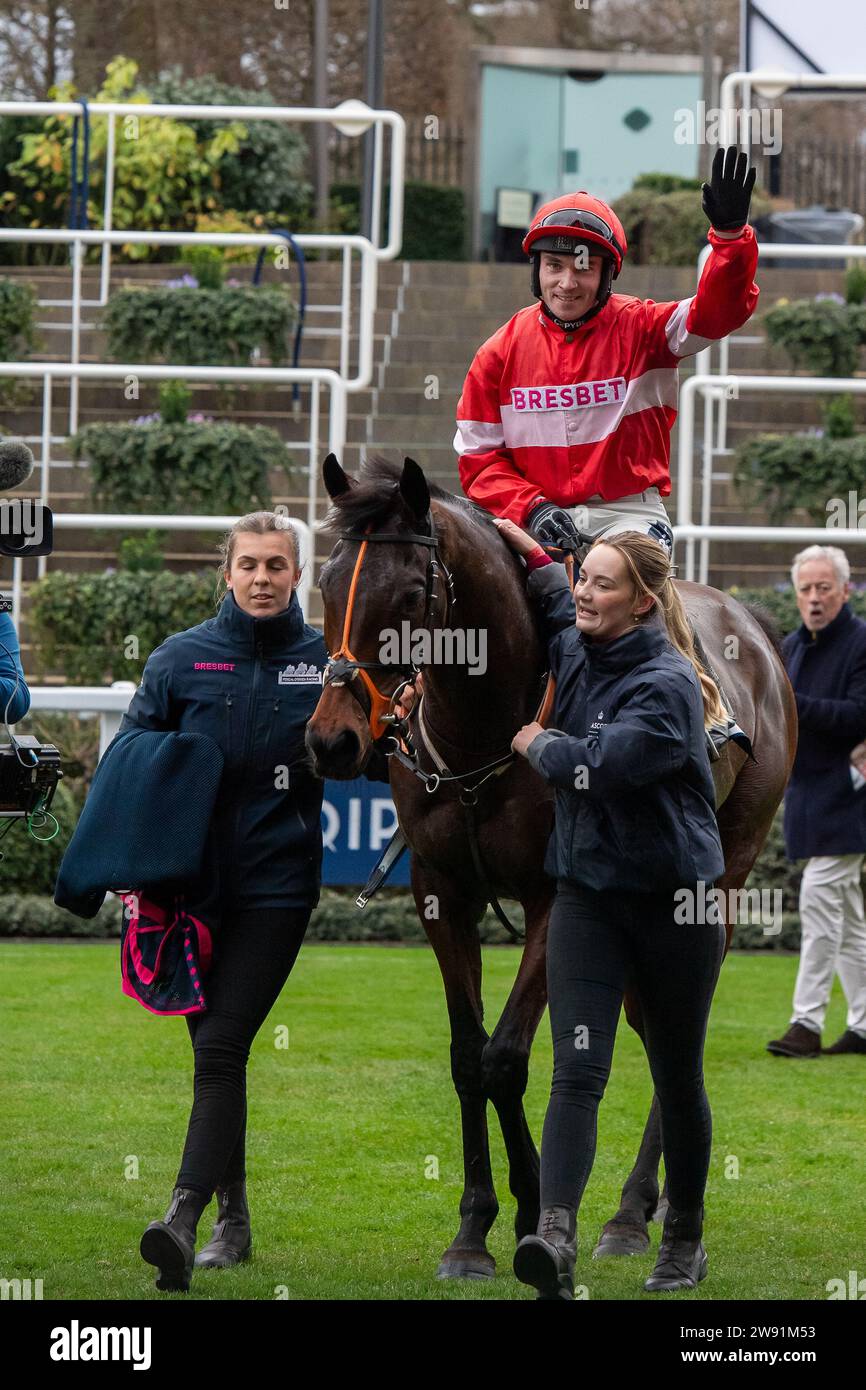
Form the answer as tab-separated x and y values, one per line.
11	672
823	812
634	793
251	684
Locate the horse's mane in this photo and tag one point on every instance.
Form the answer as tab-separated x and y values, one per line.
376	496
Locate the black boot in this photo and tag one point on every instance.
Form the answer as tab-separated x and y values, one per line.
546	1260
231	1241
170	1244
682	1260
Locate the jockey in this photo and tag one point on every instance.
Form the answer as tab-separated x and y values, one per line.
563	426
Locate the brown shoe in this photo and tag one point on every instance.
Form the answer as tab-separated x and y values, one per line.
799	1041
849	1042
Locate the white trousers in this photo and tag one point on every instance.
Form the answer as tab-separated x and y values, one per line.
642	511
833	941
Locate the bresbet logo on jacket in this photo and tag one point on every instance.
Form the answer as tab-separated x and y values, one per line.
302	674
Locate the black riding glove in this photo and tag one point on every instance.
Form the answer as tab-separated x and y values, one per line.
727	196
552	526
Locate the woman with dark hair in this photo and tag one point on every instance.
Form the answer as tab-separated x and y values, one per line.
250	678
635	852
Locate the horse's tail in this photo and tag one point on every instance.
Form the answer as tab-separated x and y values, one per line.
768	624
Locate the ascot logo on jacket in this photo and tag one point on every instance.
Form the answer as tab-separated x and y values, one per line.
579	395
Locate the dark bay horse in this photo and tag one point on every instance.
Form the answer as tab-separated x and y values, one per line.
443	568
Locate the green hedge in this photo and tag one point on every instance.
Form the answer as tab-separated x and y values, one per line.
785	472
821	336
214	467
434	219
30	867
205	327
668	228
87	623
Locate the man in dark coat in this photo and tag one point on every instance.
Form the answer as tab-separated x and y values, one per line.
825	802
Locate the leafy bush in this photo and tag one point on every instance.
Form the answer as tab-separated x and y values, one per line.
18	337
668	228
202	326
102	627
165	175
17	310
142	552
788	471
667	183
206	264
820	335
185	468
855	284
266	171
434	219
36	915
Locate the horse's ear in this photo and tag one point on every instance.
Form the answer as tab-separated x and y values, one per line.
413	486
335	480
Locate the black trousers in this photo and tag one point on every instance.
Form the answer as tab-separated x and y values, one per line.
597	943
254	951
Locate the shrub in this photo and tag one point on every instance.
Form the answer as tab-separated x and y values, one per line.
207	327
165	175
266	170
206	264
855	284
84	623
434	219
31	914
186	468
820	335
17	311
668	228
789	471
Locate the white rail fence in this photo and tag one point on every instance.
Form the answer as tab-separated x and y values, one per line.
718	400
733	387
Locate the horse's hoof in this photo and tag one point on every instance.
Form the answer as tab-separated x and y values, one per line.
661	1210
466	1264
621	1240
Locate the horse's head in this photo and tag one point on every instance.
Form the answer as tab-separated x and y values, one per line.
369	590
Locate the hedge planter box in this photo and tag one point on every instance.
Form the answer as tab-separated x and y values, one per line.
206	327
192	467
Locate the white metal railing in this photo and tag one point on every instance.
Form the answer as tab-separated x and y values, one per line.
48	371
352	118
110	702
764	82
783	251
685	528
347	244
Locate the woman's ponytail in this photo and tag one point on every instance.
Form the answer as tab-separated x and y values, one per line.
649	569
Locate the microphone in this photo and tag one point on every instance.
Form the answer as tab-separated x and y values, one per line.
26	525
16	463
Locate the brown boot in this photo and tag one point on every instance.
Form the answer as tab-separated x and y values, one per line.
681	1262
231	1241
849	1042
799	1041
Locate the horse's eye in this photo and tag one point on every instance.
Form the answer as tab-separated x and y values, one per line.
411	599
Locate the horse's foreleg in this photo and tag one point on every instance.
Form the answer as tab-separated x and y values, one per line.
505	1066
627	1233
454	938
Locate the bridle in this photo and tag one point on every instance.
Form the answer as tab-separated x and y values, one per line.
344	668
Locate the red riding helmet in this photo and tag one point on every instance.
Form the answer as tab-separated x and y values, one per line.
577	217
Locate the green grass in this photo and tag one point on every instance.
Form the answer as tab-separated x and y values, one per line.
342	1122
